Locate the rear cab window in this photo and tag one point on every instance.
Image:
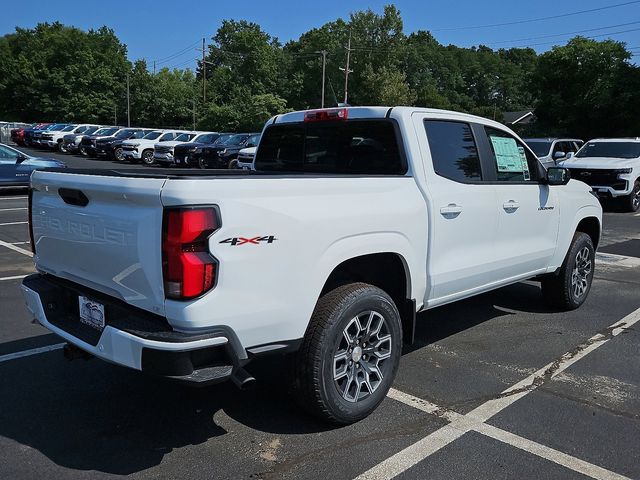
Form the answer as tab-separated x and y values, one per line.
352	147
453	150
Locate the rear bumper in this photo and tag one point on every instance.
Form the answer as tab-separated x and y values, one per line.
133	338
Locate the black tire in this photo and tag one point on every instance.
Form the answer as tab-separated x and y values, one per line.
147	157
118	154
202	163
632	201
62	148
315	385
82	151
233	164
561	290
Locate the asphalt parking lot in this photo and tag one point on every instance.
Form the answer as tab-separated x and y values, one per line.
496	387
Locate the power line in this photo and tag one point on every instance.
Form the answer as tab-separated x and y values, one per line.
563	34
531	20
590	37
177	54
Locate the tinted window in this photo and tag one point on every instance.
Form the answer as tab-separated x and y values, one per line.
90	130
513	162
610	149
453	150
206	138
7	155
152	135
541	149
353	147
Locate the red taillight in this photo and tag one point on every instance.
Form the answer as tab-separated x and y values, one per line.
325	115
188	268
33	244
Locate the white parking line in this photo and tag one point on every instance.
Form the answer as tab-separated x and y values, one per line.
13	209
28	353
19	243
474	420
12	223
16	249
14	277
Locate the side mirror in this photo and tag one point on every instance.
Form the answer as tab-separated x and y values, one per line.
569	155
558	176
20	158
559	155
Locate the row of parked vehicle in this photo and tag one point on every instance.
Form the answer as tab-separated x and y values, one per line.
166	147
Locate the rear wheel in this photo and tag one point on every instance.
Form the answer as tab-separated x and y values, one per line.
570	287
632	201
147	157
350	353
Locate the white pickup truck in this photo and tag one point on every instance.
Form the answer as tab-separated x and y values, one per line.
354	220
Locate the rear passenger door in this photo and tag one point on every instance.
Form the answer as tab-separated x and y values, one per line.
463	218
528	210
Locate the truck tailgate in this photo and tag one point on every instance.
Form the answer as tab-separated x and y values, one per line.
105	243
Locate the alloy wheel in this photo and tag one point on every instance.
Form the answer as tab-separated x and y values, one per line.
360	356
581	272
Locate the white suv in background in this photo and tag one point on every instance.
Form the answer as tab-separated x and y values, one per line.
612	167
246	157
550	151
142	149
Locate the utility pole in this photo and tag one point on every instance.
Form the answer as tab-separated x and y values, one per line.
154	67
324	66
128	104
347	71
204	75
115	114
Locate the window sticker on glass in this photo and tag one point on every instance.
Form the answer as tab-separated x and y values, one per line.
525	165
509	157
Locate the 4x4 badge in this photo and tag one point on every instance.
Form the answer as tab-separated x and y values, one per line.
237	241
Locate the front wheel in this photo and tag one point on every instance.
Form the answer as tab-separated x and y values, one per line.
350	353
569	288
147	157
202	163
62	147
118	154
233	164
83	151
632	201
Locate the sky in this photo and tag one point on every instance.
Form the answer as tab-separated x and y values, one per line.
158	29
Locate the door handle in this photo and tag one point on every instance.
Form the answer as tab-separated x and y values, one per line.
451	209
511	205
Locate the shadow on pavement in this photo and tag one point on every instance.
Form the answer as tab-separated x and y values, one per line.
89	415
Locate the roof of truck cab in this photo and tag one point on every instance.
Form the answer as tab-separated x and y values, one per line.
359	113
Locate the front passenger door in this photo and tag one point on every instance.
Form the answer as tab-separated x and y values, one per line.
8	164
528	210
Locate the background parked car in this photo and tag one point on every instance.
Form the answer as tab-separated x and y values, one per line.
246	157
17	134
31	131
88	142
112	146
142	149
39	139
164	153
224	152
16	166
550	151
182	153
53	137
71	142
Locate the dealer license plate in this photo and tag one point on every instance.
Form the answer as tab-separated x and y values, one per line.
91	313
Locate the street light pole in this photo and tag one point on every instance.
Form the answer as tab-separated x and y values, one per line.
346	71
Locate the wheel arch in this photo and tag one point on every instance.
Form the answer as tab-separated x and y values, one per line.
591	226
388	271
